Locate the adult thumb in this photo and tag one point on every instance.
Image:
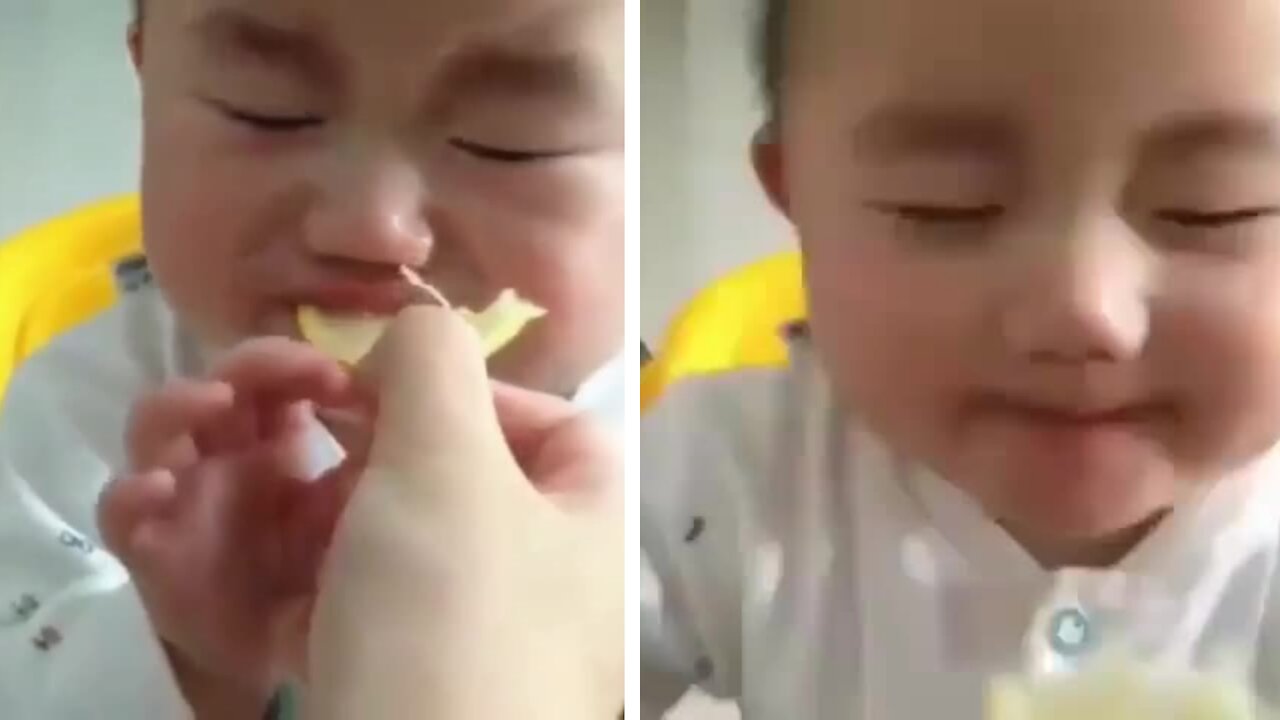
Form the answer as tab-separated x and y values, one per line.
436	426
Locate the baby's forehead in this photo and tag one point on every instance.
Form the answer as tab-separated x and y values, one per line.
540	47
1102	61
425	23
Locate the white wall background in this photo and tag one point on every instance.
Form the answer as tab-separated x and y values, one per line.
701	213
701	210
69	123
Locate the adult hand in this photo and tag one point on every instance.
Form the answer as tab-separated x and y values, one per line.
477	571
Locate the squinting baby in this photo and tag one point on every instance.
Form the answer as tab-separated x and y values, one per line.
294	154
1034	409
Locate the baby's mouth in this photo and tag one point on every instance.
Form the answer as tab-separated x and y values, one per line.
345	320
1083	416
350	333
361	299
1124	415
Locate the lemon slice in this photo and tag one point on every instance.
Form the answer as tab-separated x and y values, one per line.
503	321
346	338
1124	691
349	338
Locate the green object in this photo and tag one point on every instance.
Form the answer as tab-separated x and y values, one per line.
284	706
289	703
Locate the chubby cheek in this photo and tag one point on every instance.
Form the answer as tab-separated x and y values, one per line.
583	325
560	244
1223	351
197	201
894	322
898	334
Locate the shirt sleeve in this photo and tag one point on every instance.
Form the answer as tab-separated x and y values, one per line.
697	479
75	641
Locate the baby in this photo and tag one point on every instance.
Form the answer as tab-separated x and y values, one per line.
1034	410
296	154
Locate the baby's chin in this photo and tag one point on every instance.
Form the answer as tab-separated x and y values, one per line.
1100	538
1076	506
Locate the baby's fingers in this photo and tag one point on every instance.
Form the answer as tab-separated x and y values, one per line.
127	503
284	371
217	516
163	425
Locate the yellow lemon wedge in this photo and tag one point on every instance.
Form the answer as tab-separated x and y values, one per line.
346	338
503	321
1124	691
349	338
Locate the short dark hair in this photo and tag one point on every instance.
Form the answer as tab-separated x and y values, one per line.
770	55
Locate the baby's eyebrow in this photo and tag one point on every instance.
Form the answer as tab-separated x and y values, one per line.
229	30
562	76
901	129
1190	134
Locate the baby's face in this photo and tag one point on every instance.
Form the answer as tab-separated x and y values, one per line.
1042	241
298	152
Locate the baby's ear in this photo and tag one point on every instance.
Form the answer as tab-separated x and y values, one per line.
133	38
766	158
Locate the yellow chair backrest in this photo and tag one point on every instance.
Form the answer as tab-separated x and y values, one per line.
60	273
734	323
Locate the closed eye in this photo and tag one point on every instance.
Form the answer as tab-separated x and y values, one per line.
507	155
1199	219
940	214
270	123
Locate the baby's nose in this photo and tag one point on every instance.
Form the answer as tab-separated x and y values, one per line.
1080	300
371	209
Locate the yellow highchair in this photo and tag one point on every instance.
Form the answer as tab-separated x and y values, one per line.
734	323
60	273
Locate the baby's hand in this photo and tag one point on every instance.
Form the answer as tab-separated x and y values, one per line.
219	529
